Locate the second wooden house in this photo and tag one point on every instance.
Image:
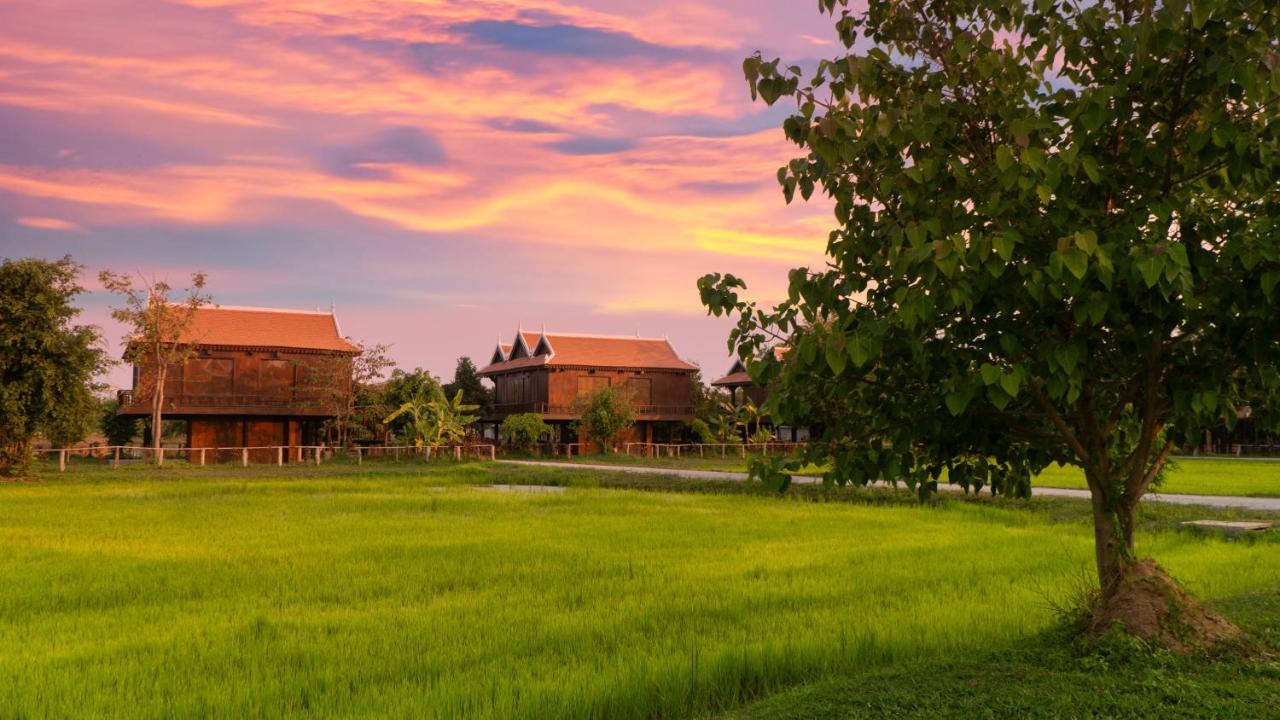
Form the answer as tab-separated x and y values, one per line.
544	373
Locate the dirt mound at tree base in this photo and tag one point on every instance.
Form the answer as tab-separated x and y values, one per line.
1149	605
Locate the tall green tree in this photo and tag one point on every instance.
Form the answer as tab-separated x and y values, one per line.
47	362
157	336
467	379
1056	242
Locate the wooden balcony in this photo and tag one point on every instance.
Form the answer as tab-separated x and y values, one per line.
566	412
183	404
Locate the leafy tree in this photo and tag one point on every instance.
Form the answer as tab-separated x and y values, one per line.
157	338
399	389
467	379
47	363
1056	242
603	416
117	429
451	417
522	431
341	383
433	417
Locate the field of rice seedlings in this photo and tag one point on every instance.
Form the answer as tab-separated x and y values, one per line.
349	593
1259	477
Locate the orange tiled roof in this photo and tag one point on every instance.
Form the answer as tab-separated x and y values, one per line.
594	351
265	327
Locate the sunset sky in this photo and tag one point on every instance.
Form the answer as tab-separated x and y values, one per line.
439	170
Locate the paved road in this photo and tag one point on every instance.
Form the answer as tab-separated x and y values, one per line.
1217	501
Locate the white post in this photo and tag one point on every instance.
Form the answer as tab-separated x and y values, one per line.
115	462
201	457
160	457
359	455
317	455
279	457
457	453
397	449
493	453
244	457
62	460
744	450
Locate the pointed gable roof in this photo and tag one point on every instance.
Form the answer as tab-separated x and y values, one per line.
593	351
267	328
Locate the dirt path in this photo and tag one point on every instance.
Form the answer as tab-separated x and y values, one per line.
1217	501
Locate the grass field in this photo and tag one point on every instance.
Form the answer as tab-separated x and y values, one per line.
406	591
1189	475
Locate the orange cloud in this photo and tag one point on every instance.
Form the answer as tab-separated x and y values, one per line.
47	223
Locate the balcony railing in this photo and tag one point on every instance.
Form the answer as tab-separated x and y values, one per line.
549	409
130	399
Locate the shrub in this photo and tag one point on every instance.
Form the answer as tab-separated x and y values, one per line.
605	414
523	430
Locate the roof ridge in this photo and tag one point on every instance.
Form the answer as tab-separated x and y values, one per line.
249	308
606	337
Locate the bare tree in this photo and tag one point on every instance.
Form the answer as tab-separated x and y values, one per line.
158	333
337	383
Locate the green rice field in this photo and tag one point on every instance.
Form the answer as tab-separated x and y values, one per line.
1188	475
424	592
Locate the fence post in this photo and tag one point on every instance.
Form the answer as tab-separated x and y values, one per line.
493	453
201	457
359	455
397	449
62	460
317	455
744	450
244	457
457	453
279	457
115	462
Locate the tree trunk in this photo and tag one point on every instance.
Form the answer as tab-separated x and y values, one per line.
157	417
1112	536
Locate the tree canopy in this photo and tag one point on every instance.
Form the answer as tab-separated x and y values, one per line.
47	362
603	416
467	379
1055	241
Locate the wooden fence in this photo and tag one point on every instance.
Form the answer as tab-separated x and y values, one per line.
723	450
115	455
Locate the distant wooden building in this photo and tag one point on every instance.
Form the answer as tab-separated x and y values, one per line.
740	386
544	373
742	389
258	378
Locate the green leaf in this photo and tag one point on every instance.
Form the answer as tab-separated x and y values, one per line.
1087	241
1003	245
1076	261
958	400
1091	169
990	374
836	357
1200	12
1011	383
1004	158
1150	267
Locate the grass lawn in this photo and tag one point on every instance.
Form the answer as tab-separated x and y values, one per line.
406	591
1189	475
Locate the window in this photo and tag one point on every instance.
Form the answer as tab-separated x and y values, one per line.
639	391
588	384
209	376
275	378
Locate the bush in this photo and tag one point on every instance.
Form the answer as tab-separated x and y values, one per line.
605	414
700	430
523	430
